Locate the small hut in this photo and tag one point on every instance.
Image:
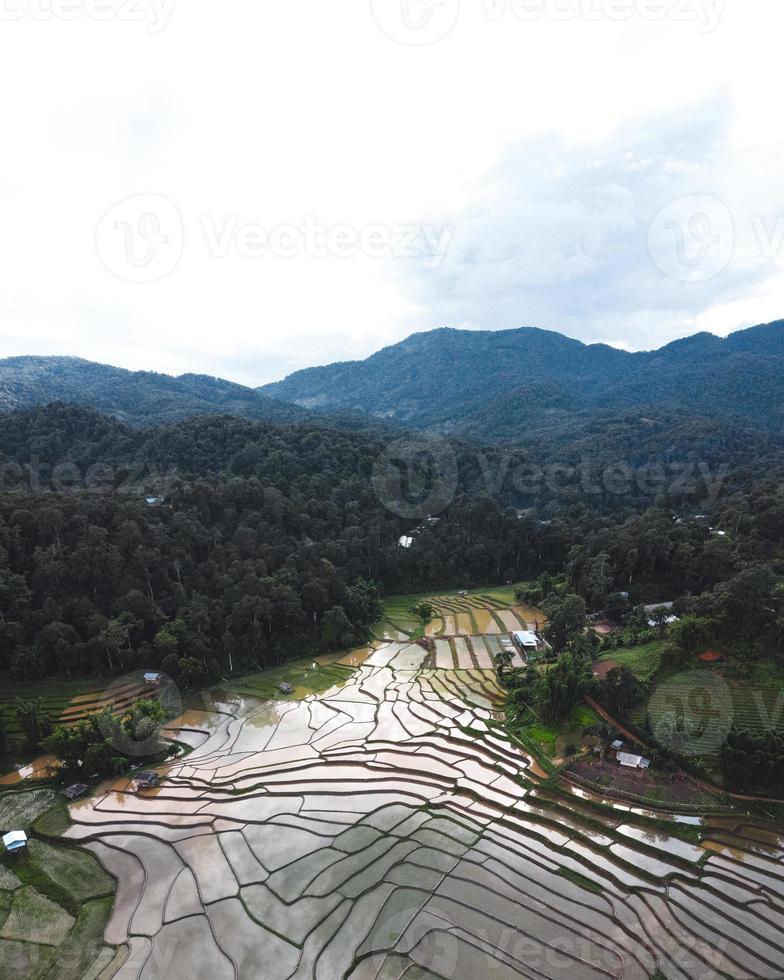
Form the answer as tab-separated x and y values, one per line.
146	780
15	842
74	792
286	688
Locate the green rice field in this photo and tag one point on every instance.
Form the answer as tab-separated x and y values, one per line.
643	660
471	614
55	900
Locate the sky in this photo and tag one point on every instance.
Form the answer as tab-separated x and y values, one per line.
244	189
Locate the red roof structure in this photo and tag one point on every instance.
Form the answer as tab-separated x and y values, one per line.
710	657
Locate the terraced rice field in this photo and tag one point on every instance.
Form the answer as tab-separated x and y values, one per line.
71	701
490	611
55	901
749	705
387	828
56	697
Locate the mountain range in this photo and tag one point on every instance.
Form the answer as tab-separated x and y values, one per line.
503	384
137	397
497	386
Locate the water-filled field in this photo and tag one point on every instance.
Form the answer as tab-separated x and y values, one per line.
387	828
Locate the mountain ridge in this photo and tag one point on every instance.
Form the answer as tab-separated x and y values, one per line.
437	379
136	397
485	385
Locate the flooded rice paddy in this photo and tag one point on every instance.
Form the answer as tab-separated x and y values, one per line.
387	828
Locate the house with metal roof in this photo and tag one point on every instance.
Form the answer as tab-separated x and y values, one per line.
75	791
15	841
631	761
146	780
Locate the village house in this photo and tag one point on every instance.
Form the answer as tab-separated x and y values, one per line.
15	842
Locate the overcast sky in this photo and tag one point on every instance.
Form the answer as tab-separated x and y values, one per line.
247	188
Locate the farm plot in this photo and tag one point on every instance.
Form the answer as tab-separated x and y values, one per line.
380	828
70	701
486	621
510	621
464	659
54	901
56	696
755	707
492	612
482	656
444	659
643	660
35	919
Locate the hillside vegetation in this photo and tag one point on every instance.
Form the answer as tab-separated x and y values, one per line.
505	384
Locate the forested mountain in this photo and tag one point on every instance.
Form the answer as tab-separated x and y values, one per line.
137	397
260	542
265	542
511	383
491	386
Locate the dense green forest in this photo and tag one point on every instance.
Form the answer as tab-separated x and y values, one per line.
222	543
262	542
142	397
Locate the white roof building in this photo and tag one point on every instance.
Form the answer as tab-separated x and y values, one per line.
525	638
15	841
406	541
632	761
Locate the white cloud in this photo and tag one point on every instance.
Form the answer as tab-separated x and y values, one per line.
633	241
548	145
